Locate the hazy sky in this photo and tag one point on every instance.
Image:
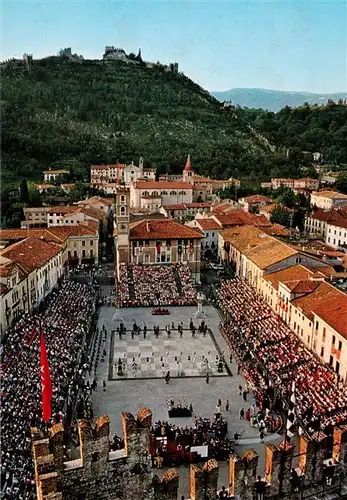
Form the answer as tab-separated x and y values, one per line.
293	45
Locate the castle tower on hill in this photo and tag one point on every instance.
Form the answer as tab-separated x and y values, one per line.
188	172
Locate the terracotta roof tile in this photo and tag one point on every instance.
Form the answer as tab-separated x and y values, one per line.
162	229
329	216
30	253
301	286
334	312
239	217
276	230
315	300
221	208
96	199
63	209
208	224
257	198
270	253
334	195
297	272
51	235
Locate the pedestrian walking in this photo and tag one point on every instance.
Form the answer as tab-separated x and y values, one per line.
207	378
227	405
244	395
104	385
242	414
240	390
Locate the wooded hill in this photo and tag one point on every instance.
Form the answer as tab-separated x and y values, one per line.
63	114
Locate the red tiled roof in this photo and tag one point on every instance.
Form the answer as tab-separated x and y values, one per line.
276	230
221	208
30	253
188	166
63	209
162	185
257	198
94	212
162	229
334	195
311	302
330	216
334	312
340	223
52	235
297	272
6	267
208	224
179	206
240	217
301	286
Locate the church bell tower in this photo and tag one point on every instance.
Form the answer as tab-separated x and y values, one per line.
122	220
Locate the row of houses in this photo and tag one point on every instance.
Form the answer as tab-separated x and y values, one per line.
298	287
29	270
328	225
32	261
303	185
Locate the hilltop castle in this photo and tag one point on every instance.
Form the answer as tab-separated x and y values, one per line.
118	54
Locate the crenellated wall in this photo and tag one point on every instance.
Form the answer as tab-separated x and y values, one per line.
127	473
99	473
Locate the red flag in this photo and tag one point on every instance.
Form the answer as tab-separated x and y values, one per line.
46	383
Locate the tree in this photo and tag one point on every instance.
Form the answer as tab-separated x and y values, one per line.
341	184
287	198
24	192
280	216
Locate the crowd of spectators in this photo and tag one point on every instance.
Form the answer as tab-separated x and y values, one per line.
271	355
155	286
172	444
65	323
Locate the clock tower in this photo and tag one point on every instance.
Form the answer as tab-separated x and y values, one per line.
122	219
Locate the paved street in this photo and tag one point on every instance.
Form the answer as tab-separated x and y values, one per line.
131	395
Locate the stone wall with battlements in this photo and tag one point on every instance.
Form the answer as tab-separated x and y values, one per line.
127	474
99	473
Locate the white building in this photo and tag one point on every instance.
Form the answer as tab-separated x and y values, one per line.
45	260
210	230
317	221
106	177
327	199
152	195
336	234
54	175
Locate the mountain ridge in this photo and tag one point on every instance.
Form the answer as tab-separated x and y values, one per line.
274	100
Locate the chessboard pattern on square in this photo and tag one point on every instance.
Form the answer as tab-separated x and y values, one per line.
154	349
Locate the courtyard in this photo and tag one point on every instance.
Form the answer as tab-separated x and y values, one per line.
149	389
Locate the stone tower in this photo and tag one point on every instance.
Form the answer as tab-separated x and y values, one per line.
188	172
122	219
